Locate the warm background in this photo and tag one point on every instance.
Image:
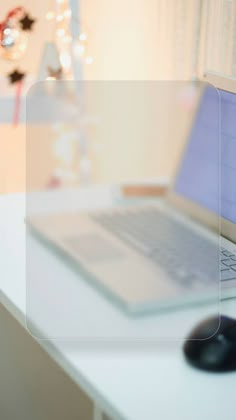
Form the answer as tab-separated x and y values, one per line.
129	40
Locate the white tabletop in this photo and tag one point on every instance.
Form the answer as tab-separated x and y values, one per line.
114	362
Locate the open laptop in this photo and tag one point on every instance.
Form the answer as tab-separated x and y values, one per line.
167	254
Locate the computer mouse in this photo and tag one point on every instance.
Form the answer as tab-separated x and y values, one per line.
211	345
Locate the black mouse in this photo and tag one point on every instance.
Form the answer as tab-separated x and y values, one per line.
211	345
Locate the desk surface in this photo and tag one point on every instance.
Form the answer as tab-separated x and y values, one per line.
129	378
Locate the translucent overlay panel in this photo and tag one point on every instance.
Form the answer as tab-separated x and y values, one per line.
102	267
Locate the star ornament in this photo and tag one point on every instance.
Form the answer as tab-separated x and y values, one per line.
15	76
55	74
26	22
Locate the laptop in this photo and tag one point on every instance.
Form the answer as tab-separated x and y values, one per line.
166	254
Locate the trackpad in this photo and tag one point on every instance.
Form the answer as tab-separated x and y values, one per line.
93	247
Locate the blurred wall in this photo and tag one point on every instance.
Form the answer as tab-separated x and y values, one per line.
123	38
123	41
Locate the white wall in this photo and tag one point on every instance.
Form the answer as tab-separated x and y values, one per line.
123	38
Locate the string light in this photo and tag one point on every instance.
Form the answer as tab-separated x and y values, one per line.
65	44
7	31
78	50
89	60
59	18
50	15
67	39
60	32
65	59
22	47
83	37
67	13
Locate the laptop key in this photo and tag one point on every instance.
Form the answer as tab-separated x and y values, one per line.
227	253
228	262
140	246
228	275
224	268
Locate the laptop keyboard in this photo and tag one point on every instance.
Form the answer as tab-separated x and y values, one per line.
185	255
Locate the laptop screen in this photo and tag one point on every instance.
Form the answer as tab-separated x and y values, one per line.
209	163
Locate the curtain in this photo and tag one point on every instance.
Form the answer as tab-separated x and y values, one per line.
217	49
195	36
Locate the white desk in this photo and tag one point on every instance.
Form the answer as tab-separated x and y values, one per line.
127	379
